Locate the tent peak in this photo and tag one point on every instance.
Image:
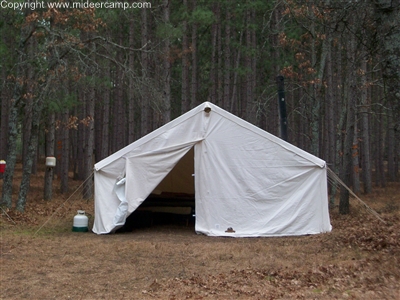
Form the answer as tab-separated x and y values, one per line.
207	107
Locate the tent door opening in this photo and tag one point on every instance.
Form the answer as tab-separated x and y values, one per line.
172	202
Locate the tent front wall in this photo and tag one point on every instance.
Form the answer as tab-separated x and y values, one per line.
247	182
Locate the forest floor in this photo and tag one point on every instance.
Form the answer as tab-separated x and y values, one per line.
41	258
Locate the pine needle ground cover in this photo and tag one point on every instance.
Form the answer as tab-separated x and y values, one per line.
359	259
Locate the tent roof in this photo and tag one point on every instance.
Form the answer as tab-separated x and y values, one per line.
214	109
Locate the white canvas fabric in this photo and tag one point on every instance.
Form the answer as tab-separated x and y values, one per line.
248	183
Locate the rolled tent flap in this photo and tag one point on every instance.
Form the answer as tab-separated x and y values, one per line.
121	214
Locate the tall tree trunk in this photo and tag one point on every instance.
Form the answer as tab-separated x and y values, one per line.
194	85
219	82
144	104
356	162
5	106
50	143
314	103
105	115
347	165
119	116
30	155
234	106
213	71
390	146
80	141
64	167
365	132
250	111
185	63
276	29
167	68
89	140
227	61
131	86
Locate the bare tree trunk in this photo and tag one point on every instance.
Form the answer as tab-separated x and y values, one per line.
64	167
213	72
390	146
329	113
365	132
227	61
347	166
193	88
144	115
219	82
185	64
254	68
314	103
131	86
89	145
234	107
30	155
105	115
167	68
119	116
355	157
250	112
6	199
50	143
5	106
380	168
276	28
80	141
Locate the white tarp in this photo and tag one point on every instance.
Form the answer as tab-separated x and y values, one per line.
247	181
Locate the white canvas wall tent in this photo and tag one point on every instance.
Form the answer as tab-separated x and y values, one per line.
245	181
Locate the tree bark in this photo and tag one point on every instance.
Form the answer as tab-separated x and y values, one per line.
185	63
64	163
144	103
194	85
167	68
30	155
5	106
213	68
89	140
131	85
347	165
105	114
355	157
49	173
227	61
390	146
365	132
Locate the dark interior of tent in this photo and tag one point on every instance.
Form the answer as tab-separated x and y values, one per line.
172	202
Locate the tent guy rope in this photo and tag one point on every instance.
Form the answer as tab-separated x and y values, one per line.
89	177
368	208
8	216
